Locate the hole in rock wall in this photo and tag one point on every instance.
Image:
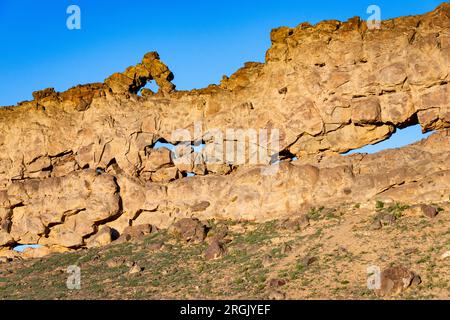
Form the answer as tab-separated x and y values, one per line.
22	247
282	156
100	170
163	144
400	138
151	85
197	147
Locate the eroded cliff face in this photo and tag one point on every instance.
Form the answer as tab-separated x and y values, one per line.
73	161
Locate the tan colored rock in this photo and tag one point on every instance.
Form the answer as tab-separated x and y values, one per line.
135	269
158	159
165	174
366	110
39	164
159	71
10	254
445	255
103	237
33	253
71	161
137	232
296	223
5	238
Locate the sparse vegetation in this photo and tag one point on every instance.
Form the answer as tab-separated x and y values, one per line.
379	205
315	213
323	260
397	209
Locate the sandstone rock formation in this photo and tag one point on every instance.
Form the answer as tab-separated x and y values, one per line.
74	162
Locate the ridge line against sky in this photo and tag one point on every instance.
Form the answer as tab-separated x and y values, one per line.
200	41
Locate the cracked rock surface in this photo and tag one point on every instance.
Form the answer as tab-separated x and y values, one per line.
72	162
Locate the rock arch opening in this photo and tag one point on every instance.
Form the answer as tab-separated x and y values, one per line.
400	138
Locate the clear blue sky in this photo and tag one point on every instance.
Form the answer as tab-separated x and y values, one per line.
199	40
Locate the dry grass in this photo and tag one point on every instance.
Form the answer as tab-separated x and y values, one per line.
327	260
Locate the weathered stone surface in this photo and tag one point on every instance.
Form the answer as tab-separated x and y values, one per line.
165	175
215	250
296	223
395	280
136	77
42	251
102	238
133	233
428	211
63	210
189	230
74	161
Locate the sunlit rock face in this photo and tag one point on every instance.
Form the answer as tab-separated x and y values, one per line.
72	162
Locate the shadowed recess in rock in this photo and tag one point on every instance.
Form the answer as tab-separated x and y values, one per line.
197	148
401	138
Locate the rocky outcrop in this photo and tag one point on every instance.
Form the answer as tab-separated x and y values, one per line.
136	77
73	162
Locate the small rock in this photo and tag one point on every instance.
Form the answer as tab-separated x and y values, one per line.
219	232
285	248
135	269
428	211
115	262
275	283
155	246
214	251
276	295
267	260
32	253
102	238
145	92
308	260
410	251
341	250
133	233
416	280
395	280
295	224
165	174
189	230
200	206
375	225
387	218
5	260
445	255
384	257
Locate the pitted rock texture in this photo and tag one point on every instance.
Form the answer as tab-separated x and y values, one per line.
75	161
